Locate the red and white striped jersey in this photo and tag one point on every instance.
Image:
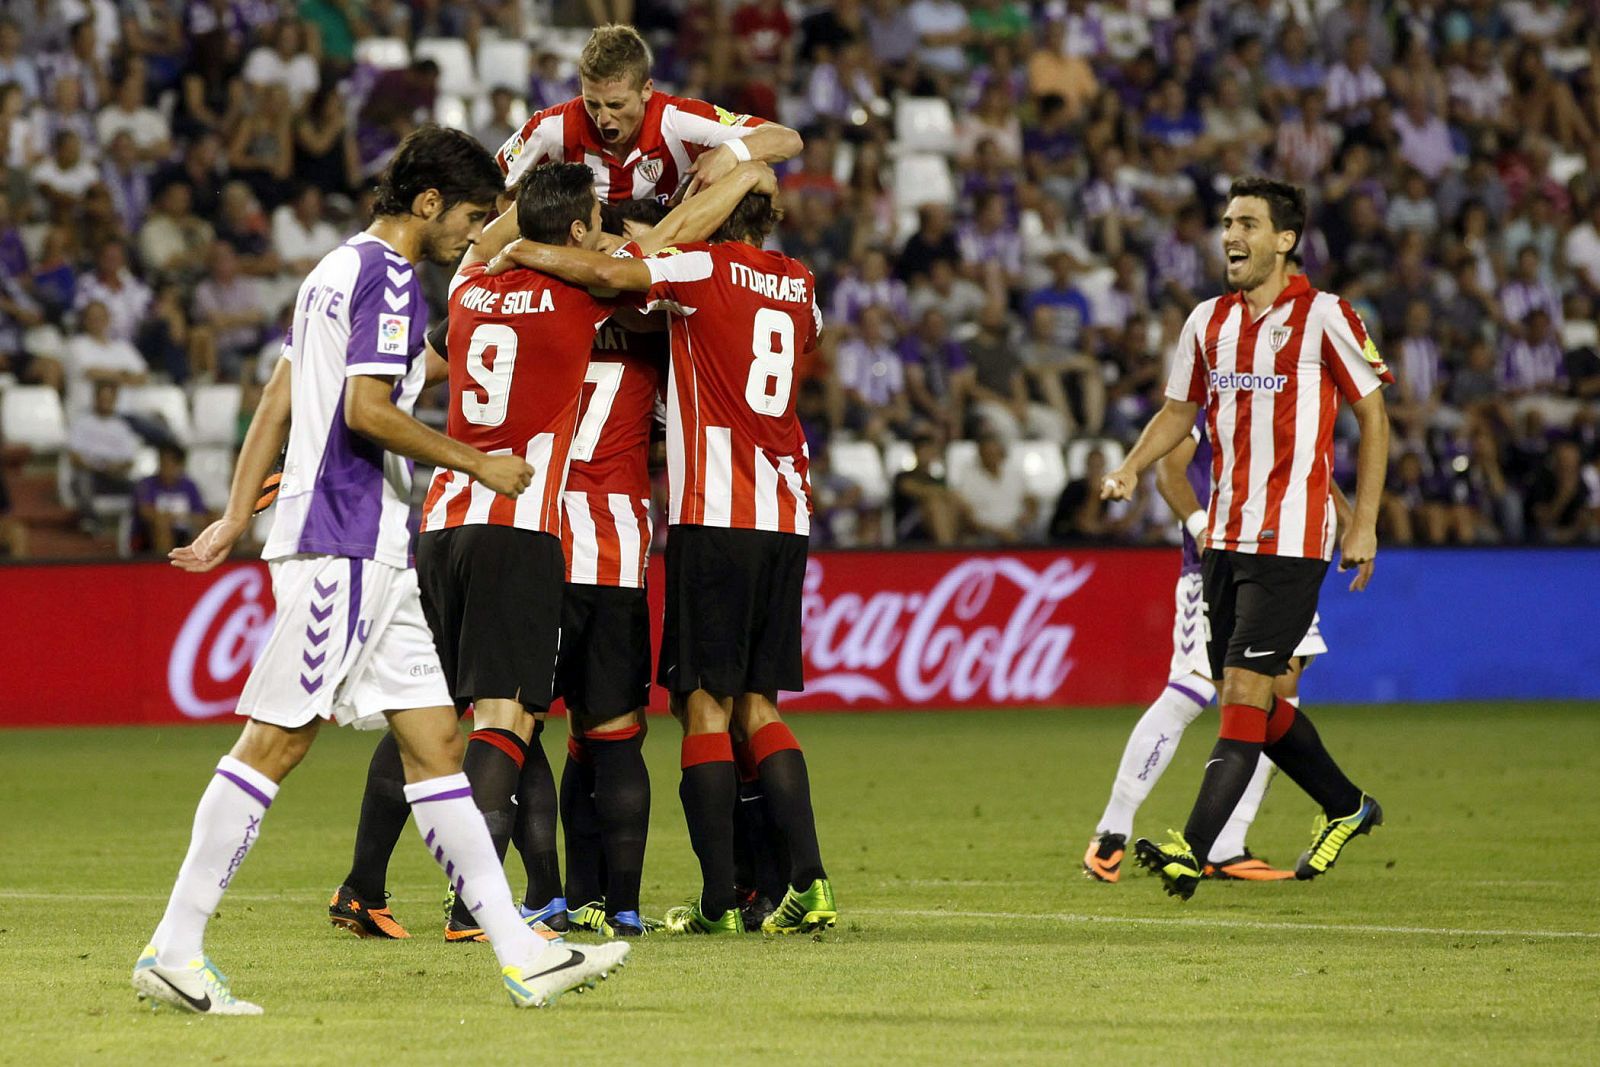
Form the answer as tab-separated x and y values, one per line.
518	348
736	456
1271	388
674	132
606	523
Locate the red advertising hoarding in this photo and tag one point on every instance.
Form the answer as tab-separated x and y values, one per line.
143	643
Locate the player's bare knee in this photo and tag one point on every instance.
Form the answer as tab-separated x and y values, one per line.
707	713
1286	686
626	721
274	750
752	711
1240	686
430	742
500	714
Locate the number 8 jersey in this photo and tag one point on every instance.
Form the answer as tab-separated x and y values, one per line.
518	348
740	316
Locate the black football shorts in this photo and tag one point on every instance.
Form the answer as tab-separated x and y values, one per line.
604	667
1258	608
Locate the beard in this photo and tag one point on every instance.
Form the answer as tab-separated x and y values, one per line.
1252	274
434	249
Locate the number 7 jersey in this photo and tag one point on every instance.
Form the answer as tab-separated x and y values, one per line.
736	456
518	349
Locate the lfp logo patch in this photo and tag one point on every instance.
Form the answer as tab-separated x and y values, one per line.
393	333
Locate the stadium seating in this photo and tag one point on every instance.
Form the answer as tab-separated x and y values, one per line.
504	63
31	415
168	403
960	458
212	471
922	178
925	124
1078	455
898	457
385	53
216	414
456	75
1043	468
861	462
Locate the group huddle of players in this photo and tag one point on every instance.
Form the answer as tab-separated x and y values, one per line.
543	595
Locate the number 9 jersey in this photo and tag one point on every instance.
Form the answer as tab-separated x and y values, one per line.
736	456
518	349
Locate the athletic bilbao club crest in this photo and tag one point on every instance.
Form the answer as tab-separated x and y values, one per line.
1277	337
650	170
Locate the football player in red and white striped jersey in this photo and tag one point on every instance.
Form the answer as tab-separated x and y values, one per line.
640	143
1269	363
736	555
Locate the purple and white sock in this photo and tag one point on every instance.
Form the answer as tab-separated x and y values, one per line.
1150	748
226	825
453	829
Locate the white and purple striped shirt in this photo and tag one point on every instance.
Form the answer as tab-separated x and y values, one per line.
853	295
1419	369
360	311
1526	366
1517	299
1352	89
873	372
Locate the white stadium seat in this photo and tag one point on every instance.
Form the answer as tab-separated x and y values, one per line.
212	471
452	111
456	76
1078	455
1043	468
31	415
923	179
216	414
924	124
898	457
165	402
960	458
861	462
385	53
504	63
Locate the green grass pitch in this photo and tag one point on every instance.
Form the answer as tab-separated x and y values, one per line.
1465	930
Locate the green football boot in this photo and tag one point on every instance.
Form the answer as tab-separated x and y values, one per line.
1329	836
1174	862
805	912
590	917
688	919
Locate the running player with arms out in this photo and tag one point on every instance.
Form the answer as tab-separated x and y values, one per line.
1183	477
740	511
639	142
350	641
1269	362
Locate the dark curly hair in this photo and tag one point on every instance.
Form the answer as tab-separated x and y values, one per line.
437	157
551	198
1286	203
753	218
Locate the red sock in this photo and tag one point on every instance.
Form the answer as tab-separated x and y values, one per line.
1242	722
506	741
575	750
773	737
706	748
1279	721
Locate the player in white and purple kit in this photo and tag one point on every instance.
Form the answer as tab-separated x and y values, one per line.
350	642
1183	477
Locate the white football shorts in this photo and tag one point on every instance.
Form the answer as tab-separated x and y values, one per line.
349	643
1189	632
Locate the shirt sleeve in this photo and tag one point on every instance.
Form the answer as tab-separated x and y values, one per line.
698	125
676	279
382	303
1350	354
1186	381
539	141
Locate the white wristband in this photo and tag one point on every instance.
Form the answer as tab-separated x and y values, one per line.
1196	524
739	149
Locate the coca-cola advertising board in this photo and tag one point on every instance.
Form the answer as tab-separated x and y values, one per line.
143	643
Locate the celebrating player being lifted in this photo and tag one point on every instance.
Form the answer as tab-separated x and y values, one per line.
1269	362
740	513
639	142
350	641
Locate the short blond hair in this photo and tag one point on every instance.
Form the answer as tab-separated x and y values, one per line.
614	52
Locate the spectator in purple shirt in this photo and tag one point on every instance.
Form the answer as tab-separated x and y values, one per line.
167	507
991	248
871	379
871	285
1526	292
938	374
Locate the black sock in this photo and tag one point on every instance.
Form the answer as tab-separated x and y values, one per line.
580	829
1227	775
536	826
782	769
622	802
383	818
493	764
1300	754
761	858
709	790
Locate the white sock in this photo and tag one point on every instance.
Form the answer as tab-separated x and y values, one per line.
226	824
1230	843
453	829
1150	747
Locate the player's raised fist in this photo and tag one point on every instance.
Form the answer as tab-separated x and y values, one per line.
506	475
1118	485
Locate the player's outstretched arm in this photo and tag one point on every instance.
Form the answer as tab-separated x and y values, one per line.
767	143
263	443
1360	543
369	411
1169	428
578	266
698	217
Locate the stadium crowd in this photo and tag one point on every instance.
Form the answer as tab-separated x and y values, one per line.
1010	210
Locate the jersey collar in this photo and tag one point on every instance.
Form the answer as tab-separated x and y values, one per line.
1298	286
